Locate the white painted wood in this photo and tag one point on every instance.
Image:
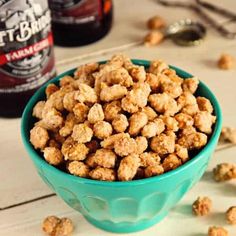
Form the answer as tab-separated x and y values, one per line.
19	180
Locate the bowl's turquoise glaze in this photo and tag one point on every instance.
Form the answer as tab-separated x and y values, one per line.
123	206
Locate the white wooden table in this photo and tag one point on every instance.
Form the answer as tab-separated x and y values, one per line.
25	200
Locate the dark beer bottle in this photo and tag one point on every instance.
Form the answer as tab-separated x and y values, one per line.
80	22
26	52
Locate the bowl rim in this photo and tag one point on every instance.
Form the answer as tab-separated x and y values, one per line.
37	158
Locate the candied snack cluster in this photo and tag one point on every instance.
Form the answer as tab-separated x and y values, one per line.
155	36
217	231
202	206
228	134
54	226
226	62
119	121
231	215
224	172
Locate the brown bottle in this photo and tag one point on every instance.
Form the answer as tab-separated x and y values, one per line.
80	22
26	52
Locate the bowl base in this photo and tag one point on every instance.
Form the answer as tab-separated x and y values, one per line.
126	227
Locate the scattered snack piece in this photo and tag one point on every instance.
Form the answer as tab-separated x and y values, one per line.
64	228
231	215
224	171
156	22
54	226
202	206
228	134
226	62
217	231
153	38
120	121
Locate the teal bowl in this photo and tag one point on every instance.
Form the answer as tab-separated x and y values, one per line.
123	207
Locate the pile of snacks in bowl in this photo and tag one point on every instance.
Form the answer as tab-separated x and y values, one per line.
119	121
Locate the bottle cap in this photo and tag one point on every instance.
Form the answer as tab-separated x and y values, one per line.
186	32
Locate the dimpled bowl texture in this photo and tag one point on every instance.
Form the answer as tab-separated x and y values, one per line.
123	206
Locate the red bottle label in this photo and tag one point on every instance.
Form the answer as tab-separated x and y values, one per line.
26	45
78	11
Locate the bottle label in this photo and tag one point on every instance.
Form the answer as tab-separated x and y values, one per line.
78	11
26	45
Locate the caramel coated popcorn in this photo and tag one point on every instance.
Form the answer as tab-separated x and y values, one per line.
78	168
153	170
82	133
142	144
156	22
163	143
153	38
228	134
111	110
217	231
202	206
224	171
54	226
171	162
226	62
39	137
125	146
231	215
38	109
53	155
104	174
102	129
136	122
128	167
119	121
163	103
103	158
95	114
